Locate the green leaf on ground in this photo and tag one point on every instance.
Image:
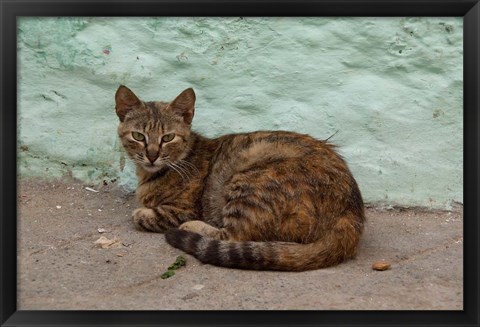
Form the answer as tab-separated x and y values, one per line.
167	274
179	262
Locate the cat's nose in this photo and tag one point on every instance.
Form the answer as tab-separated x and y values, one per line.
152	154
152	157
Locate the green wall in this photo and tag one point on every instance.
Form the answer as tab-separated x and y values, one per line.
391	87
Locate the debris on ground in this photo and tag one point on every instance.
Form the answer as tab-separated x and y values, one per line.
106	243
381	266
102	230
91	189
179	262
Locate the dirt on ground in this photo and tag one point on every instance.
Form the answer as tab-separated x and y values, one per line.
78	249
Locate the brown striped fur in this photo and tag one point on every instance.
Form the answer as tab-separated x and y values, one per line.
267	200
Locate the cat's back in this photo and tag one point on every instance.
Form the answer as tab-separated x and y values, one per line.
257	150
274	164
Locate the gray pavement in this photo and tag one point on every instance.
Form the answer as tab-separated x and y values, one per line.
61	267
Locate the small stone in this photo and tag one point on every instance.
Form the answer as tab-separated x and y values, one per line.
381	266
59	207
198	287
106	243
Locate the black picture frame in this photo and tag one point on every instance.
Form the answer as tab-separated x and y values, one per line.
10	10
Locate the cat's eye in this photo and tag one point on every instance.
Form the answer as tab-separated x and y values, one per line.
168	137
138	136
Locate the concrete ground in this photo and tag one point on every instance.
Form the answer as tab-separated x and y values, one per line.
61	267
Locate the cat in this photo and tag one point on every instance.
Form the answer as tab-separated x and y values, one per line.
266	200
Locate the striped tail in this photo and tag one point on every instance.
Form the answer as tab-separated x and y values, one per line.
330	250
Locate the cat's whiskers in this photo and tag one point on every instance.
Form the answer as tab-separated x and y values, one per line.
172	166
138	159
184	169
178	170
163	160
188	165
191	169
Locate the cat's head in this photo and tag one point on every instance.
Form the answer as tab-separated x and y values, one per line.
154	134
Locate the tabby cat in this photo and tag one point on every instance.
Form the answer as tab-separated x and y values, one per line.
267	200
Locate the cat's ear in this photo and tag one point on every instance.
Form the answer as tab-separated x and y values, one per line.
184	105
125	100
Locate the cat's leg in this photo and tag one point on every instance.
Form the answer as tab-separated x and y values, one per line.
247	214
232	231
225	233
160	218
201	227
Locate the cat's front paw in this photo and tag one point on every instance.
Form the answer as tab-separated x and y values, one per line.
146	219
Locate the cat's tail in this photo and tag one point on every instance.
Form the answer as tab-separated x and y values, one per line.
339	244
